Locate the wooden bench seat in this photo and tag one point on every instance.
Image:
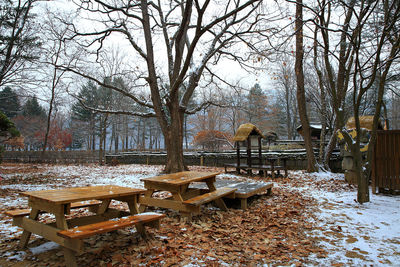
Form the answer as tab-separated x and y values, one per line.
208	197
75	205
263	168
111	225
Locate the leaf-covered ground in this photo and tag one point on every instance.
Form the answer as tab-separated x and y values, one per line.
309	219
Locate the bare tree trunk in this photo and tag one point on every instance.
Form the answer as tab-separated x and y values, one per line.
288	115
174	142
186	138
323	102
126	132
144	135
48	122
102	143
301	98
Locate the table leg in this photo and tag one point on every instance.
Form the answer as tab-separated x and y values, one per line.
26	234
69	254
147	194
178	197
219	202
104	206
133	206
134	209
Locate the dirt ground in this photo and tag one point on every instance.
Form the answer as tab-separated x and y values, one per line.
274	230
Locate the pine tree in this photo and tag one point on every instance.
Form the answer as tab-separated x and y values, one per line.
86	117
9	102
32	108
7	130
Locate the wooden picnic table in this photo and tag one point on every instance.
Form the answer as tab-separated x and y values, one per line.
184	199
59	203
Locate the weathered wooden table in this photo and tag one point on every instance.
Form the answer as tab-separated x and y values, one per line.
58	202
184	199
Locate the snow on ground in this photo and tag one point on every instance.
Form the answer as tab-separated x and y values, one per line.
352	234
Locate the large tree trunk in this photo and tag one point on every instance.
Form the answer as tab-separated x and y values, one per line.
103	134
301	98
288	115
46	136
330	147
362	180
173	137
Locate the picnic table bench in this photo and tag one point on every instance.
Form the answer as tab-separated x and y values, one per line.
244	189
271	167
69	233
184	199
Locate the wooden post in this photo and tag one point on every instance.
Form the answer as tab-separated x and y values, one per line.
373	168
259	151
202	161
237	157
248	152
249	171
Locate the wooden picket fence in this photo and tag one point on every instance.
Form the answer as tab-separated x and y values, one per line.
386	162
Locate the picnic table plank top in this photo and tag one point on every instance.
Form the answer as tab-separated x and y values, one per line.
181	178
244	189
75	194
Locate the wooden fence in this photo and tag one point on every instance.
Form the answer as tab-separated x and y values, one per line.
386	162
63	157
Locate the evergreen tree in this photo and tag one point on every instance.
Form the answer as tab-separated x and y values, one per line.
7	130
88	95
257	107
32	108
9	102
7	127
87	118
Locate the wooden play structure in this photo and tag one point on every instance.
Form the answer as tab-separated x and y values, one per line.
248	137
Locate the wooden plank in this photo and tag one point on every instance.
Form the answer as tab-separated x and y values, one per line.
373	168
257	167
161	187
244	189
108	226
255	191
47	206
109	214
75	194
168	204
191	192
75	205
397	161
49	232
180	178
26	234
386	163
208	197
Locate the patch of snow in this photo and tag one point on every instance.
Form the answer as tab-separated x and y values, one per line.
358	234
17	255
149	213
44	247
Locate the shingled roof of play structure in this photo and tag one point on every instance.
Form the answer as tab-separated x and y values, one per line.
245	130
